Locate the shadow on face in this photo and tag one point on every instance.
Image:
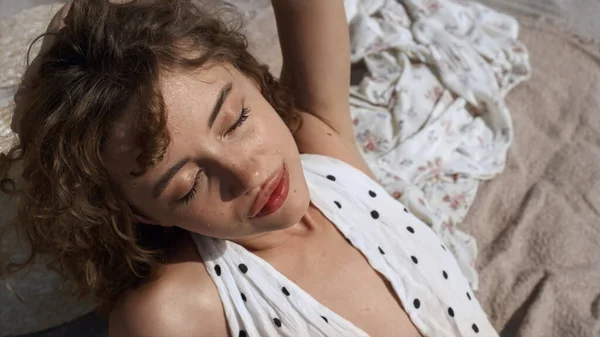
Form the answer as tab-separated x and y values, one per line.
227	143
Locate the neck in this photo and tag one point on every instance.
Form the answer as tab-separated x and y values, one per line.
265	242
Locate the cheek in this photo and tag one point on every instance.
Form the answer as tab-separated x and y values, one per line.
276	132
267	135
209	220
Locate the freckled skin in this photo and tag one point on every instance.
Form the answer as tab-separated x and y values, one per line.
234	164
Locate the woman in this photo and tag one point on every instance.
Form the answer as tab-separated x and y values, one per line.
163	174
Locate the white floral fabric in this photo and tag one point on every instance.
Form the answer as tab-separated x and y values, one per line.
430	116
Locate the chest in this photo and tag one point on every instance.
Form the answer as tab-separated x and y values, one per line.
338	276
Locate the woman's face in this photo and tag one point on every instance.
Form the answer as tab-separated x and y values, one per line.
229	149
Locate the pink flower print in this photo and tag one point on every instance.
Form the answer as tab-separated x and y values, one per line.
396	195
422	168
421	201
433	6
370	141
434	94
435	167
448	226
370	145
355	121
517	49
455	201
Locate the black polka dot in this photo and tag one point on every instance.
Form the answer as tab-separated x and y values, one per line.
444	248
410	229
451	312
285	291
374	214
325	319
244	297
469	296
372	194
218	270
381	251
243	268
242	333
330	177
405	210
417	303
277	322
414	259
445	274
338	204
475	328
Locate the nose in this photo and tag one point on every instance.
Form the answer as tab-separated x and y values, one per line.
242	175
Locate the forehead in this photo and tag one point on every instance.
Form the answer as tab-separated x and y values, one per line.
193	94
188	99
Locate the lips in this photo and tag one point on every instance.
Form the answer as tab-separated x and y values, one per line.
272	194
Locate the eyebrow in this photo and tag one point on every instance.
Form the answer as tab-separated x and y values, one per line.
217	108
160	186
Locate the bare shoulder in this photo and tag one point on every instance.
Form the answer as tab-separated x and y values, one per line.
171	306
316	136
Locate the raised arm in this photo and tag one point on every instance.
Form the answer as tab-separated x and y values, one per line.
316	58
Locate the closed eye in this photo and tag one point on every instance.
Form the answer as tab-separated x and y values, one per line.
243	117
192	192
245	113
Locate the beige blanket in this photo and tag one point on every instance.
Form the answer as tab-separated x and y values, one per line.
538	224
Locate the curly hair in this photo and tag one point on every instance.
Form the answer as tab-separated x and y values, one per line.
106	62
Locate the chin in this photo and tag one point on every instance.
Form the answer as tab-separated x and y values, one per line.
298	199
297	209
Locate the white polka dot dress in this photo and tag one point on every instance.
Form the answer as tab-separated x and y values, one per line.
259	301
